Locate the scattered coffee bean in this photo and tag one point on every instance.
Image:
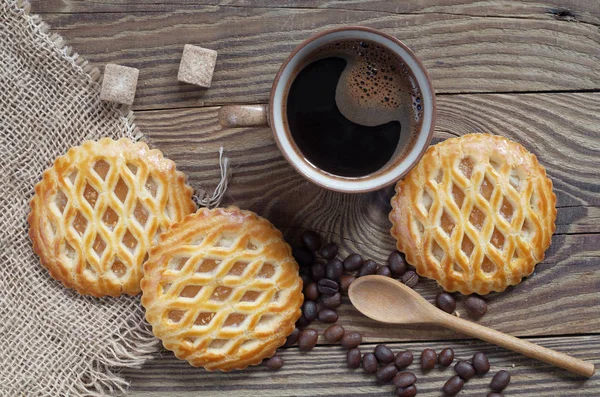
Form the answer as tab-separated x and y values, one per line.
350	340
476	307
292	338
481	363
500	381
384	354
386	373
334	333
303	257
384	271
311	240
309	310
405	379
317	271
274	363
353	358
446	357
302	322
410	278
403	359
308	339
410	391
446	302
369	267
334	269
327	316
353	262
311	291
464	369
397	264
332	302
305	278
327	287
494	394
369	363
453	385
345	282
428	358
329	250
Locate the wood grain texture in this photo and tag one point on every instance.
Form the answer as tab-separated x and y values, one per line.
323	372
462	53
563	296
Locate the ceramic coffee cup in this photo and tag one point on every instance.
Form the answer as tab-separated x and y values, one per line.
274	114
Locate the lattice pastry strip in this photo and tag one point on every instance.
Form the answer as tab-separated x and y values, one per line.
96	212
221	289
476	214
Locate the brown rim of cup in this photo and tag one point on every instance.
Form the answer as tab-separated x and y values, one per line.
287	132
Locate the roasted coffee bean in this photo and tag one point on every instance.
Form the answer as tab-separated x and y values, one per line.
327	316
311	240
500	381
397	264
292	338
302	322
481	363
332	302
410	391
410	278
353	262
353	358
405	379
311	291
303	257
384	271
369	267
327	287
403	359
384	354
317	271
494	394
369	363
453	385
329	250
464	369
305	278
476	307
309	310
446	302
334	333
446	357
274	363
334	269
428	358
350	340
386	373
308	339
345	282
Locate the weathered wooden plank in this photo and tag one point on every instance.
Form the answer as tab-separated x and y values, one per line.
462	53
557	127
323	372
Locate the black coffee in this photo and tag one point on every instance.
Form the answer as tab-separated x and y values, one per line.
352	107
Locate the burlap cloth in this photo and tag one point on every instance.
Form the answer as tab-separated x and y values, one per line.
53	342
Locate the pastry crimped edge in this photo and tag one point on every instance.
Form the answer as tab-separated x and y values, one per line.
407	243
44	189
149	286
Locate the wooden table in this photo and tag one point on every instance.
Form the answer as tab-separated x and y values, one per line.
526	70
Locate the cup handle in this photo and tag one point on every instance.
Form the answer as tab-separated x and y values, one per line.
233	116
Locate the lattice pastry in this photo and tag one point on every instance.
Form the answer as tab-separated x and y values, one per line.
476	214
221	289
98	210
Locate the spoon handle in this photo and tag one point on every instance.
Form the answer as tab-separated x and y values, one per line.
528	349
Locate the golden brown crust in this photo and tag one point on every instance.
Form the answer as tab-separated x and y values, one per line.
221	289
87	213
476	214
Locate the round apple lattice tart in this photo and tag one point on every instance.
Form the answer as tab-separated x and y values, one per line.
476	214
99	208
221	289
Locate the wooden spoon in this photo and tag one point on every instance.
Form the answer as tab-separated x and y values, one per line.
389	301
